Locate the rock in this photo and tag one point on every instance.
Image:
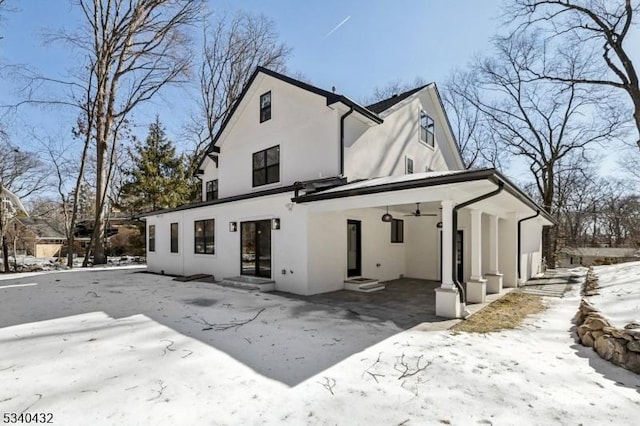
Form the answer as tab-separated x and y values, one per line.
634	346
633	362
596	322
596	333
632	325
587	340
633	333
582	330
617	333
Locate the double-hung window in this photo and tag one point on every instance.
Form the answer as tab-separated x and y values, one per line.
211	192
204	236
397	231
174	237
152	238
426	129
266	166
265	107
409	166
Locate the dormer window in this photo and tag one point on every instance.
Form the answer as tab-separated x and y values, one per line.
426	129
265	107
266	166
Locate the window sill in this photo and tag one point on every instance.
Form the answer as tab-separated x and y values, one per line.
266	186
432	147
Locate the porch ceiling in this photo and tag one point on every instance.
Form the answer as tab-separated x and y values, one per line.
401	193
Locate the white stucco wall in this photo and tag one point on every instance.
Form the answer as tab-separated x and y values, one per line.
210	173
423	248
328	248
531	249
301	124
288	244
382	150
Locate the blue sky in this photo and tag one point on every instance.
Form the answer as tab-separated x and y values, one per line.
378	41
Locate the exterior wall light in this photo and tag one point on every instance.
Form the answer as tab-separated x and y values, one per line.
275	223
233	226
387	217
439	225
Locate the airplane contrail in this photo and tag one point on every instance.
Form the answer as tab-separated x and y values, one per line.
344	21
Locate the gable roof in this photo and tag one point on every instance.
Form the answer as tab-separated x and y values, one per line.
332	98
13	199
385	104
42	228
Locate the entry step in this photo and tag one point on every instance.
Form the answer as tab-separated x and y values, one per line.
249	283
365	285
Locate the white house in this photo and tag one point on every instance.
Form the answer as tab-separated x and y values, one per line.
304	189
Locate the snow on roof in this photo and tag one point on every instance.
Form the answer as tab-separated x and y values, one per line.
367	183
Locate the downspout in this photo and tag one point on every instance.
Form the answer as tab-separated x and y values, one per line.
342	118
520	242
454	236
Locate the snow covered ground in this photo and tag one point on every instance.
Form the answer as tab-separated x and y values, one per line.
123	347
619	298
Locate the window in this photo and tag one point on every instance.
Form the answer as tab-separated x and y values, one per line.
211	190
426	129
174	238
266	166
204	236
152	238
397	231
265	107
409	166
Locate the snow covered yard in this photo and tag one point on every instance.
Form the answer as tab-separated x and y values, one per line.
619	288
122	347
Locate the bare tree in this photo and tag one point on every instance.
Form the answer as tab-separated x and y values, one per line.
233	46
476	142
596	28
393	87
132	50
540	121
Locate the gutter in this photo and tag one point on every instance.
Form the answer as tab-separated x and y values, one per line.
520	242
454	236
342	118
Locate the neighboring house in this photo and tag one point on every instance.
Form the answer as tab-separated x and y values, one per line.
36	237
588	256
308	189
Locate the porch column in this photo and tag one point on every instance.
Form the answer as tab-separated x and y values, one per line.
447	296
477	285
494	277
508	255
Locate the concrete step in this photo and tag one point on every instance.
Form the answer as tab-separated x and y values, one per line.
363	285
249	284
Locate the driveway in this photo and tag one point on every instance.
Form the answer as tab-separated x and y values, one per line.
285	338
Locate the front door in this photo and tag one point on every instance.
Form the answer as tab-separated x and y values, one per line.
354	248
460	256
255	242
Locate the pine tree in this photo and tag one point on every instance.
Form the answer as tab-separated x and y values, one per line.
158	178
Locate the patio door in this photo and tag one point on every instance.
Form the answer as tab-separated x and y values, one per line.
354	248
255	248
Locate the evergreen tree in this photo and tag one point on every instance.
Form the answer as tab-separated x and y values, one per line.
158	177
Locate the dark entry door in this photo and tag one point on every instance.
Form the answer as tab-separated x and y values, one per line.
460	255
255	242
354	248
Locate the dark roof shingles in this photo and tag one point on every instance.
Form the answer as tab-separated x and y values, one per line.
385	104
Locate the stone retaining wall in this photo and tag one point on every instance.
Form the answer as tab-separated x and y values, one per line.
619	346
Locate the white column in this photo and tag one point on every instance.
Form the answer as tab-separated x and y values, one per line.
494	277
448	303
477	285
447	244
476	245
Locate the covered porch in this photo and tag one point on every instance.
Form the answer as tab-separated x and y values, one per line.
472	232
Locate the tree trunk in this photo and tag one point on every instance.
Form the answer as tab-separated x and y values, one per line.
5	255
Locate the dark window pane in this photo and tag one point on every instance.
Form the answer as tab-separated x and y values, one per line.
273	156
258	160
265	100
273	174
174	238
265	107
397	231
259	177
152	238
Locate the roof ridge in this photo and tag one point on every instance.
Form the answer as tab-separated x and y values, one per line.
387	103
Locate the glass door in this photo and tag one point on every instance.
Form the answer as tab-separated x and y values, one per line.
354	248
255	242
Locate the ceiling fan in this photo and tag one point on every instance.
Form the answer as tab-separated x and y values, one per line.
418	214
